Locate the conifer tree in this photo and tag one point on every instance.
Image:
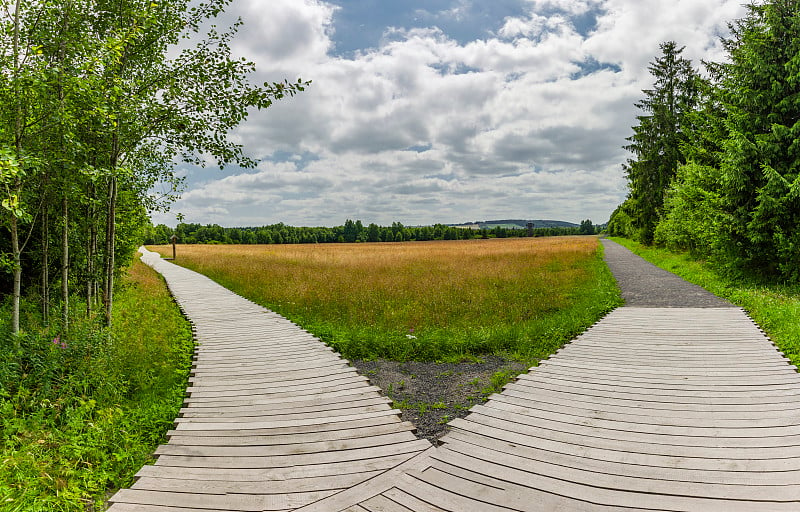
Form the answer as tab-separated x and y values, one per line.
656	141
760	165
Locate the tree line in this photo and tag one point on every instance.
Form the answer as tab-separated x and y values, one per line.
350	232
101	99
715	166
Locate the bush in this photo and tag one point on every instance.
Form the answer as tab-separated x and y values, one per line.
693	212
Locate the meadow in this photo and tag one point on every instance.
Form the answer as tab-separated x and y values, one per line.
426	301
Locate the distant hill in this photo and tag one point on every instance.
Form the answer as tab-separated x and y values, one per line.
516	224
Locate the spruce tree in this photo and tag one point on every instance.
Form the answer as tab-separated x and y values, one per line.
760	92
656	141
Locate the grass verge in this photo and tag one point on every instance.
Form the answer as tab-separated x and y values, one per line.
775	307
424	301
81	413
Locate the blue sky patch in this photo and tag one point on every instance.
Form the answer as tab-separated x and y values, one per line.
361	24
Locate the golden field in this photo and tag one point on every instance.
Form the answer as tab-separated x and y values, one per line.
436	299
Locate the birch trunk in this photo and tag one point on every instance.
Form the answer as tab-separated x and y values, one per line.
110	248
65	267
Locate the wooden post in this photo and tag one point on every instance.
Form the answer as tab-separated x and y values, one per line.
173	238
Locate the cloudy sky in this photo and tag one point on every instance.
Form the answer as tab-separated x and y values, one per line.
425	111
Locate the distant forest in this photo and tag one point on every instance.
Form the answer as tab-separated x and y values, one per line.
351	231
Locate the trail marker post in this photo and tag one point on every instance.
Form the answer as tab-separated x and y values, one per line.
173	239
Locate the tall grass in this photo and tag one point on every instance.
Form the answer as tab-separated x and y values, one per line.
774	306
444	300
81	412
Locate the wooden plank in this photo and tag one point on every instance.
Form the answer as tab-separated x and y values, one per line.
674	455
300	471
346	426
290	447
661	424
212	424
364	427
410	501
621	375
633	395
381	503
243	411
781	484
237	502
224	486
245	462
304	394
745	370
287	399
512	467
284	415
617	411
249	389
519	487
271	377
546	427
791	386
133	507
562	395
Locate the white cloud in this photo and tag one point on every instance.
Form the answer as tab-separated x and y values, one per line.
423	128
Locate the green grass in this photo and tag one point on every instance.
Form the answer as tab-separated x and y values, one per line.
775	307
427	301
79	419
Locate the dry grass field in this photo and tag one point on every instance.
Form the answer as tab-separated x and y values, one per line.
442	300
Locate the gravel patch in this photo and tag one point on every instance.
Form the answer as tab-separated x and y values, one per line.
432	394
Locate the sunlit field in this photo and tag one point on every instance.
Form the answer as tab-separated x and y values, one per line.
443	300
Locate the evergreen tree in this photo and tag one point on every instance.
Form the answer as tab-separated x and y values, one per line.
586	227
350	231
656	141
760	166
373	233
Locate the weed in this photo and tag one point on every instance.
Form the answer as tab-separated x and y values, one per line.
402	404
501	378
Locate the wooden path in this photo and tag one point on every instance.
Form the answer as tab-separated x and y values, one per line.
274	419
678	409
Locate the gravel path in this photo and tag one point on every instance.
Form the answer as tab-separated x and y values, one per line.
645	285
431	394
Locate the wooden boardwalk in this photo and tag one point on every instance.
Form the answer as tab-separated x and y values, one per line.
274	419
678	409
